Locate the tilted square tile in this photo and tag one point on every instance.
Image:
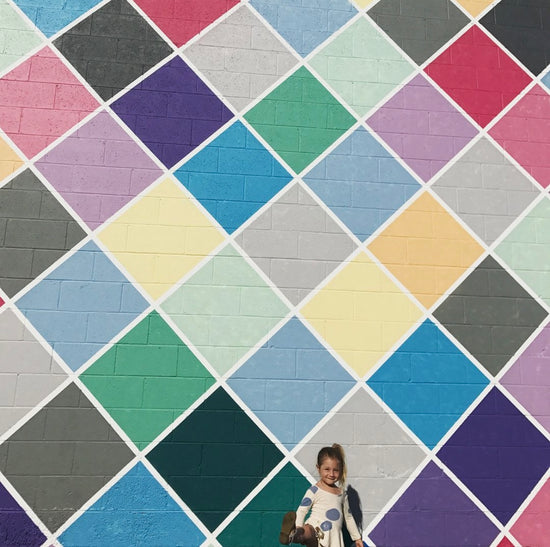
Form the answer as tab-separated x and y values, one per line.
81	305
224	309
10	160
62	456
181	20
300	119
136	502
379	454
478	75
301	245
361	65
522	27
17	36
498	454
524	132
291	382
98	169
361	313
526	251
233	176
363	3
226	456
419	27
528	380
485	190
40	99
35	231
305	25
16	527
241	57
161	237
422	127
490	314
147	379
112	47
546	80
433	511
362	183
258	520
172	111
28	372
428	382
426	249
533	525
505	542
53	16
474	7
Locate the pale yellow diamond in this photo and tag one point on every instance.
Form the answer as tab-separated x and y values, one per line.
161	237
361	313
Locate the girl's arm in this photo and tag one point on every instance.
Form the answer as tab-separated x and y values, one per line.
350	523
305	506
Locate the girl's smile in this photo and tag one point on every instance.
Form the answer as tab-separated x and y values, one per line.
329	472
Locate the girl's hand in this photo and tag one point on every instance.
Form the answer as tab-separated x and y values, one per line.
359	543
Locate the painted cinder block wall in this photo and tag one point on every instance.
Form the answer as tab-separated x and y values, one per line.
232	232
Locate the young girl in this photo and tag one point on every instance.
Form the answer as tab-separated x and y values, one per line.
328	504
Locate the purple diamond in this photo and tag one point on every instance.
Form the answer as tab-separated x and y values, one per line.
16	528
498	454
434	512
423	127
172	111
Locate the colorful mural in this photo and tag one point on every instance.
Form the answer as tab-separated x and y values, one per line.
232	232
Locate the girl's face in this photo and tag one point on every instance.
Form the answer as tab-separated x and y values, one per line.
329	471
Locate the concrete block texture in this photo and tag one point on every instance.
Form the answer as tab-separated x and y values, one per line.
35	231
233	232
55	15
419	27
82	304
362	65
305	25
136	505
17	37
486	190
490	314
511	22
525	249
225	309
291	382
181	20
98	169
112	47
62	456
241	57
16	527
362	183
302	246
28	371
41	99
380	455
172	111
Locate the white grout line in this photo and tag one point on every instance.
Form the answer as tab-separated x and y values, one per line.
231	239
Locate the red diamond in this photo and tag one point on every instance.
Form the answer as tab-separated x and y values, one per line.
480	76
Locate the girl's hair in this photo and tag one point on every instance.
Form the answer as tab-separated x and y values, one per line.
335	452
